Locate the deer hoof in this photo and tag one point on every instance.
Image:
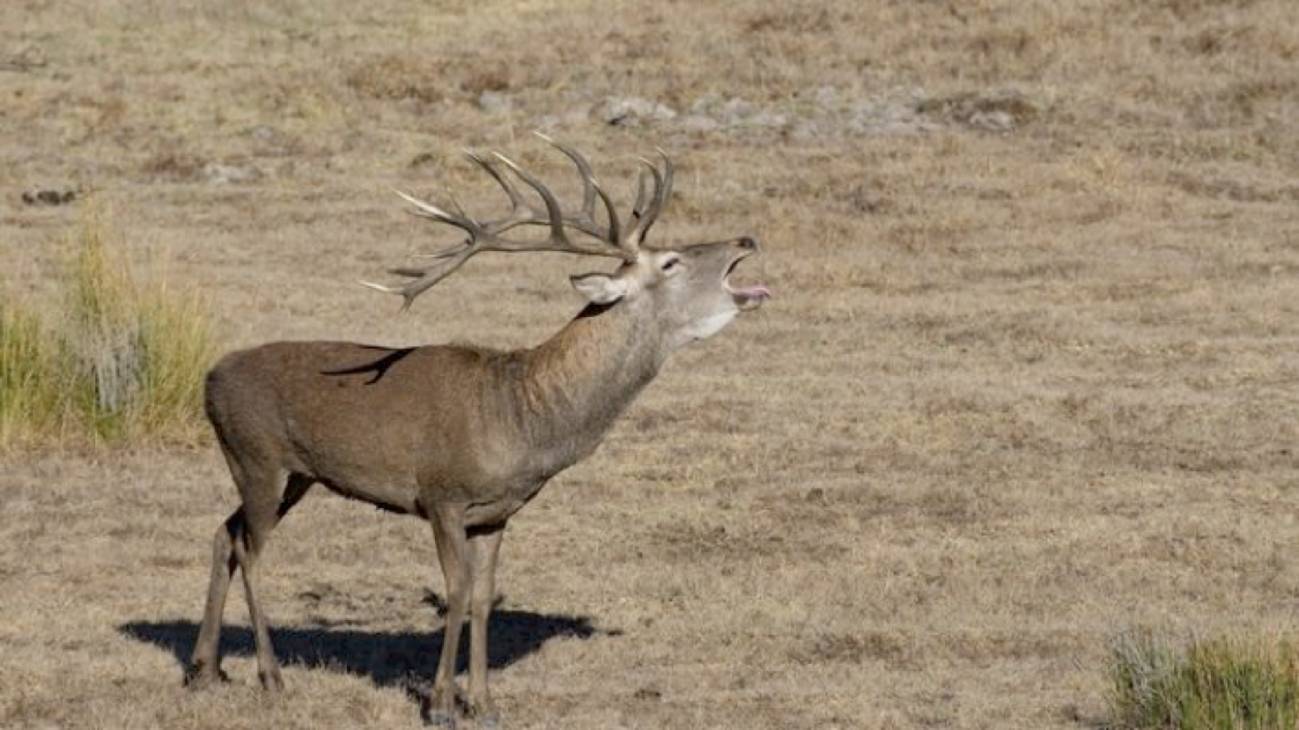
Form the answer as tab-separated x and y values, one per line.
199	676
271	681
439	708
440	718
484	714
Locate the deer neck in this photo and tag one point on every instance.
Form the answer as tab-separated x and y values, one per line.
577	383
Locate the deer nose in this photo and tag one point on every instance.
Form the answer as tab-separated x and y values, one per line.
748	243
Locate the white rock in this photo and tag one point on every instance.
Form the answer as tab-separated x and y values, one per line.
494	102
764	118
826	97
699	123
219	174
993	121
632	111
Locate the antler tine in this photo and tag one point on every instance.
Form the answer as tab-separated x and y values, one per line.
554	214
426	209
442	253
668	171
638	210
662	193
589	185
646	219
424	278
516	198
590	189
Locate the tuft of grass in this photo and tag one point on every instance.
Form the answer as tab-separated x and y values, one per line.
123	363
29	387
1216	684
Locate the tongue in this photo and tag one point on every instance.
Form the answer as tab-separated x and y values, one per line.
749	297
757	291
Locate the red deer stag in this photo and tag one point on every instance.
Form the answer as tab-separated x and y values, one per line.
460	436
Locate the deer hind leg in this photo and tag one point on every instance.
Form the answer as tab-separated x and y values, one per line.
205	664
261	516
237	543
453	555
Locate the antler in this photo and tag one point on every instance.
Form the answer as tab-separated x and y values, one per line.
611	240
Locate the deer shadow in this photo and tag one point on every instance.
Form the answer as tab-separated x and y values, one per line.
388	658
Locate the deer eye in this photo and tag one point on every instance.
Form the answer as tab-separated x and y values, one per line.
670	264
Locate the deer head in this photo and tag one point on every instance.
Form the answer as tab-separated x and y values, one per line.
685	293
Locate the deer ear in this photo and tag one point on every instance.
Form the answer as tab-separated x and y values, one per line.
600	288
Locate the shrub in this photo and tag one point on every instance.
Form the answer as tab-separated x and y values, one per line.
123	363
1218	684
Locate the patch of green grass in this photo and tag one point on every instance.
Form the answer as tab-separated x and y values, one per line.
124	362
1217	684
29	370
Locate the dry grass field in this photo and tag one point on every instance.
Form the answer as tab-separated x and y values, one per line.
1030	378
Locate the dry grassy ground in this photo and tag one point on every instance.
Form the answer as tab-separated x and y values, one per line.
1029	379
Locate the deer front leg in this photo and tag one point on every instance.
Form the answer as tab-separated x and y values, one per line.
484	547
453	553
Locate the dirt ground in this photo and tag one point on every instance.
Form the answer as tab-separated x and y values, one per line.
1029	378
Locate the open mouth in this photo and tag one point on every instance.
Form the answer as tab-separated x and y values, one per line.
746	297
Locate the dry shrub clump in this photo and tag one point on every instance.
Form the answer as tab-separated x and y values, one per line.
1227	683
122	362
397	77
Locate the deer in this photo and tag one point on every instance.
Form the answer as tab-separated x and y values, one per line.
460	436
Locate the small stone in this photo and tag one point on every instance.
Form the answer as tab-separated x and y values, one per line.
648	693
993	121
699	123
265	133
826	97
735	111
219	174
495	102
766	118
705	104
807	129
633	111
422	160
49	197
